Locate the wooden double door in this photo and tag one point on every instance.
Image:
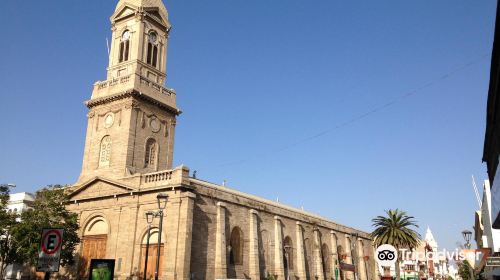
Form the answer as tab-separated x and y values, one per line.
93	247
152	257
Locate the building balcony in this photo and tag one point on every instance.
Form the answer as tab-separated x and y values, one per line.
137	83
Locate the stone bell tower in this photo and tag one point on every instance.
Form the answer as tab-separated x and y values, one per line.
132	116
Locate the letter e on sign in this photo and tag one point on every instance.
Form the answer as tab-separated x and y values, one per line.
50	250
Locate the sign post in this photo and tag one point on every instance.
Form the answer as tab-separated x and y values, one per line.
50	251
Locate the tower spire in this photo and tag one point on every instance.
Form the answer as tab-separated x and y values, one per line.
132	116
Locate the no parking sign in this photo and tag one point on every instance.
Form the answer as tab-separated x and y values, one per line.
50	250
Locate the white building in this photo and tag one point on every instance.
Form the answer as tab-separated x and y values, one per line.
418	266
18	202
485	235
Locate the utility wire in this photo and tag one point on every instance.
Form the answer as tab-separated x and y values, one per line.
361	116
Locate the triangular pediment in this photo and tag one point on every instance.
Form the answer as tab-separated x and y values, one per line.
99	187
154	14
124	11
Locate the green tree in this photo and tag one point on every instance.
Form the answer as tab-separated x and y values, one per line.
48	211
397	230
8	220
464	270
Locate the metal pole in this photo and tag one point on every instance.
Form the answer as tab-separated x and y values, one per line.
287	266
147	253
366	268
47	276
159	244
467	245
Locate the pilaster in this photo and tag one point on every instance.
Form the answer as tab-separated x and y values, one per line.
253	257
348	275
335	257
220	243
318	260
301	260
279	269
361	265
178	247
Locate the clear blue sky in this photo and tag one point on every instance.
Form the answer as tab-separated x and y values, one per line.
255	79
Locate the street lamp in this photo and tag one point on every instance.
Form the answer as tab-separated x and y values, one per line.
162	204
287	256
149	219
467	236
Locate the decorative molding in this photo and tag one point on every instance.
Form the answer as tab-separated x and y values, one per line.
134	94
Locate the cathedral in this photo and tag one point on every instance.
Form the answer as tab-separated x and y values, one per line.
142	213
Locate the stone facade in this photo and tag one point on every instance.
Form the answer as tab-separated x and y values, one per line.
199	219
209	231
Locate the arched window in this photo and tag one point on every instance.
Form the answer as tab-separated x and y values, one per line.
151	152
288	252
152	55
105	152
236	247
124	46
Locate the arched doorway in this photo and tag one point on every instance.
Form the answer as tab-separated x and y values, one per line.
235	253
95	237
152	254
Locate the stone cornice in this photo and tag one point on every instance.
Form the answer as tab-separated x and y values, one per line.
324	222
128	94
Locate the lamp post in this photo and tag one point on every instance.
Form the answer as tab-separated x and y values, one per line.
149	219
287	256
467	234
162	204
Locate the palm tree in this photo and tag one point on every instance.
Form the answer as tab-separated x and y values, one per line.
396	229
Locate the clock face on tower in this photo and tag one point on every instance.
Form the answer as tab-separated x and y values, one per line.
109	120
155	125
152	37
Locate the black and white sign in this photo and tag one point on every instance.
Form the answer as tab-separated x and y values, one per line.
493	261
50	250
